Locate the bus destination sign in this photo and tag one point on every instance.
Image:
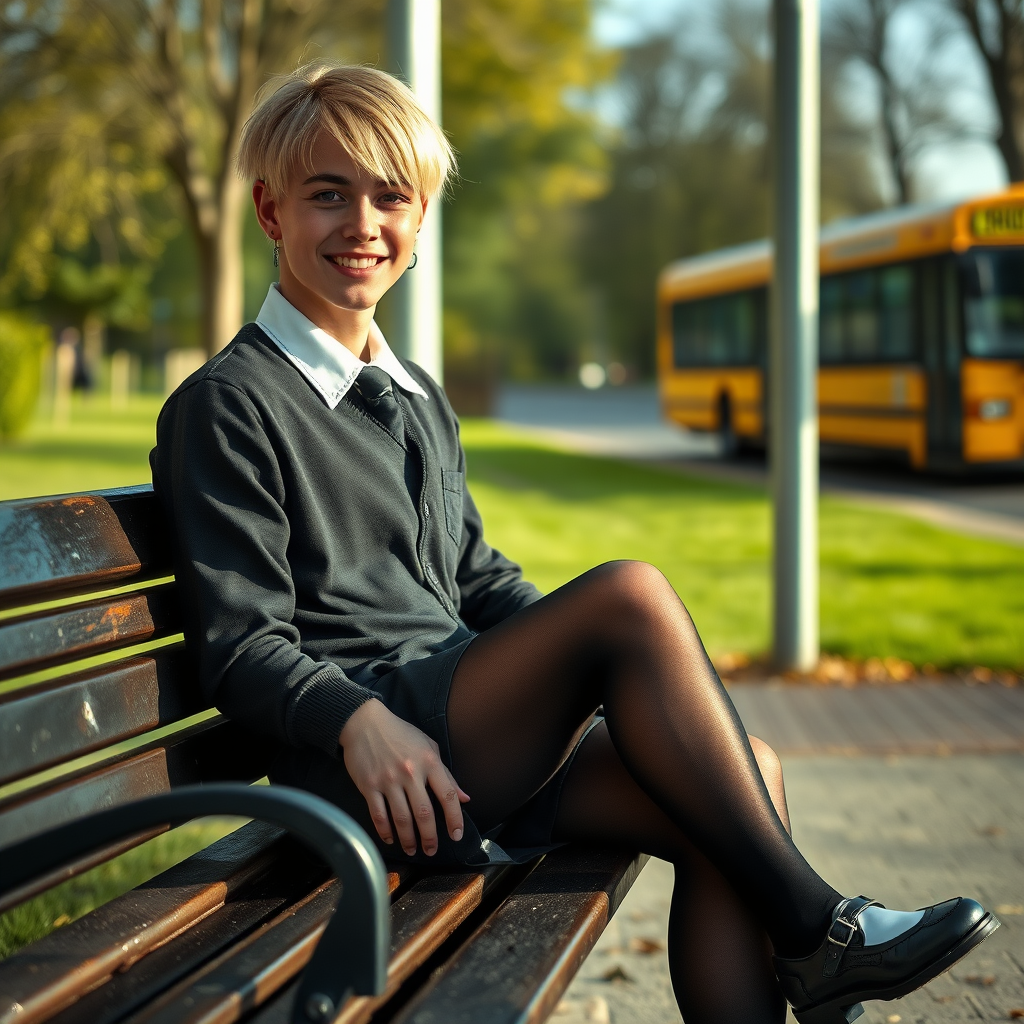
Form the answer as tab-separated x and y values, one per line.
997	221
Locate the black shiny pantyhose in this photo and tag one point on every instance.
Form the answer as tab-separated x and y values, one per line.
678	778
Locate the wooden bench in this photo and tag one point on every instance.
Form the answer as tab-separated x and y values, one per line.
112	752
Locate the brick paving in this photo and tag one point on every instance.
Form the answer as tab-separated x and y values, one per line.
906	828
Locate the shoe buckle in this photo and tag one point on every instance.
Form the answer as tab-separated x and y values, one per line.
851	931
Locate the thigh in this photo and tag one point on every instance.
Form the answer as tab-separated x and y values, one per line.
601	804
522	695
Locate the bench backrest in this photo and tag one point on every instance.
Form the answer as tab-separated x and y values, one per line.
97	704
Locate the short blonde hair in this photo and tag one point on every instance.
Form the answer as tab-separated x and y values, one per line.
375	117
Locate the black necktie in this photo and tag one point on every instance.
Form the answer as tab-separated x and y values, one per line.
374	384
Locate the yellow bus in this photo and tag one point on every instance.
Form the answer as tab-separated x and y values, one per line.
921	334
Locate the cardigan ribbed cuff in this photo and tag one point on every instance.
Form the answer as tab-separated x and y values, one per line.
324	703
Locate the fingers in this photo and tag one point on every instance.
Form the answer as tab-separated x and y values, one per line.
450	796
411	809
379	817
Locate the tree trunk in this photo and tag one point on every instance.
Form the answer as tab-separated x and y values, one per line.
1001	67
226	296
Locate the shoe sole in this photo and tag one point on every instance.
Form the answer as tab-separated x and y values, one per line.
843	1012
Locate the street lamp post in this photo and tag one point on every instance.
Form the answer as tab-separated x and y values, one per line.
414	54
793	437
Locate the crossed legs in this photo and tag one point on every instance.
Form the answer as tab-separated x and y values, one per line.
670	772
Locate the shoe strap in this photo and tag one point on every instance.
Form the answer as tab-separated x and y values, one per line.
842	930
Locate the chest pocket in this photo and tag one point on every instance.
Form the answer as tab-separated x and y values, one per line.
452	483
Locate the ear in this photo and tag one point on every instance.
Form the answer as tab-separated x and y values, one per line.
267	211
424	203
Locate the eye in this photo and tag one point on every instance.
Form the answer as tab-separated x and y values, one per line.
328	196
394	197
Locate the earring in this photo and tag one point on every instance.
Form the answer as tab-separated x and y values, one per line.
415	259
277	253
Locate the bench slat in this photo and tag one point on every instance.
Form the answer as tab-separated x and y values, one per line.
164	929
249	976
519	962
54	546
56	637
213	751
50	973
56	721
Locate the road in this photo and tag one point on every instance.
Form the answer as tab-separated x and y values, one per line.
626	422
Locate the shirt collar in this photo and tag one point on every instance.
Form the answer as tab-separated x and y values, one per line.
322	360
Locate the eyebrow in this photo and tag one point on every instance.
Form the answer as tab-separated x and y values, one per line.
330	179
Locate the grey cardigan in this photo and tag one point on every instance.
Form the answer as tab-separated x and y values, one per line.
316	551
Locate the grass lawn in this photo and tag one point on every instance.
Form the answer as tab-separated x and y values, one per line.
890	585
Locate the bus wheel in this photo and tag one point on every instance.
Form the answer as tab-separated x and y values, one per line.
727	429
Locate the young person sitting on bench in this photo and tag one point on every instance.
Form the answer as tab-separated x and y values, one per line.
341	598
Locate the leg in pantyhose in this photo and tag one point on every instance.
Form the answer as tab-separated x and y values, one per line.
619	636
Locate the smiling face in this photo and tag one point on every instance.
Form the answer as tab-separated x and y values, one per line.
345	238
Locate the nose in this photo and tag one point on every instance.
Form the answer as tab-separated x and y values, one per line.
361	224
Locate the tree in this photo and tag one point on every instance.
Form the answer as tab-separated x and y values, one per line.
691	163
119	96
997	29
913	109
516	75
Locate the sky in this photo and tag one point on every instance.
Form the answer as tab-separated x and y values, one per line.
946	171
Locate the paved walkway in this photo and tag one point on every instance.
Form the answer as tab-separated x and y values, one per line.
908	718
908	828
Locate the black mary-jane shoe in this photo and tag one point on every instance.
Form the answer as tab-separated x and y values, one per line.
828	986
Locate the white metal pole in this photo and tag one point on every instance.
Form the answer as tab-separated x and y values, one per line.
794	347
414	54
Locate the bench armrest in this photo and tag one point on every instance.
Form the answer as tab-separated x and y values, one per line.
352	955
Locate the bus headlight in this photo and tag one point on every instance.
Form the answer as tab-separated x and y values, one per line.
995	408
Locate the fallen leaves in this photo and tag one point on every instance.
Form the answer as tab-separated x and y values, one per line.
980	979
1016	1014
645	947
617	974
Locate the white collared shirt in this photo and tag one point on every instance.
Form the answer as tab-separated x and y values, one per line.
322	360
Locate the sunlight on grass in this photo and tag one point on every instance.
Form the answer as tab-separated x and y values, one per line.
76	897
100	447
889	585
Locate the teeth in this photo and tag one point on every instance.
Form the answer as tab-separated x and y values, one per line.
357	264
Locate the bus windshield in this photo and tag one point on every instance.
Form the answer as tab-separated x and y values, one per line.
994	303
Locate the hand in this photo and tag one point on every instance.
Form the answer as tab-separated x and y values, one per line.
392	763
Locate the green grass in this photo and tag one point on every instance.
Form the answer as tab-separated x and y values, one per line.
890	585
77	896
98	448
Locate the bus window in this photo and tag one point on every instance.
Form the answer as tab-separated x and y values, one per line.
896	295
719	331
831	320
993	285
867	316
861	317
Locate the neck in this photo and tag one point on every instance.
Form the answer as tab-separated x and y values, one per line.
349	327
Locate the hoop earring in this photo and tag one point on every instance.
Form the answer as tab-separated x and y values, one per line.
415	259
277	253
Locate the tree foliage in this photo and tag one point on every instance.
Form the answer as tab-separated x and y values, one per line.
22	341
528	158
107	103
692	164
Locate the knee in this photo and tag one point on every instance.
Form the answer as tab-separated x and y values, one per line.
768	761
638	589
